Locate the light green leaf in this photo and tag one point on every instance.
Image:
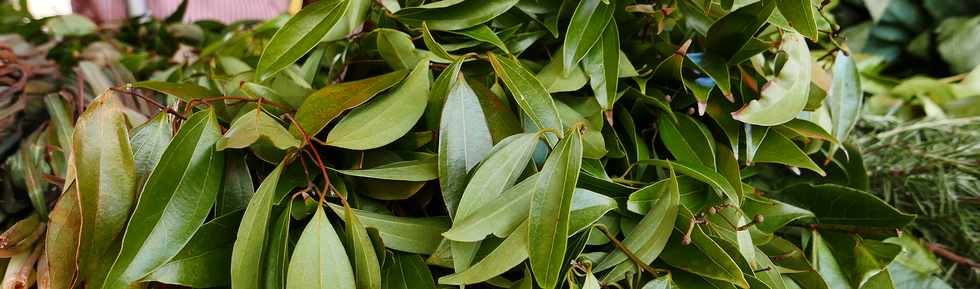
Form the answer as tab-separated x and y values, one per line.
845	97
447	15
785	96
387	118
586	27
299	35
464	140
776	148
249	248
319	260
184	91
431	43
551	203
587	208
413	235
825	263
776	214
253	127
105	173
415	170
499	216
175	201
554	80
149	141
703	256
483	33
69	25
701	173
327	103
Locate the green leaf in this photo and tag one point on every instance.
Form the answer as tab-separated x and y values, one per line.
279	243
499	171
236	188
587	208
69	25
498	216
249	248
805	128
406	271
703	256
464	140
431	43
825	263
203	262
845	97
687	140
61	239
602	66
776	148
650	237
554	80
799	13
299	35
662	282
551	203
255	126
327	103
530	95
732	32
387	118
701	173
441	88
447	15
415	170
319	260
367	269
105	174
783	97
413	235
776	214
174	202
483	33
586	27
839	205
183	91
397	49
149	141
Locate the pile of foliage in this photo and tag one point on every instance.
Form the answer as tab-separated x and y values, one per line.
400	144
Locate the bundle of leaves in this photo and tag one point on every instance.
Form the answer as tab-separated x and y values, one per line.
498	143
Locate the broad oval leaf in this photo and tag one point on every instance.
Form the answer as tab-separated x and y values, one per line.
255	126
299	35
105	175
174	202
327	103
319	260
785	96
396	48
551	204
387	118
839	205
776	148
249	248
733	32
449	15
149	141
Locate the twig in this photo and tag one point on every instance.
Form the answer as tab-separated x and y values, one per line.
151	101
619	245
943	251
